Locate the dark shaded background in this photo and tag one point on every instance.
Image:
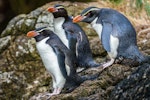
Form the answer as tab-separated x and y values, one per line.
11	8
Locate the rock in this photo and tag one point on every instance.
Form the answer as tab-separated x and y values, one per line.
11	27
136	86
45	20
29	78
18	54
4	43
96	47
148	35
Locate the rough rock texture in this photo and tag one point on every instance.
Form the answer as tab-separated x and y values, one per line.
23	76
136	86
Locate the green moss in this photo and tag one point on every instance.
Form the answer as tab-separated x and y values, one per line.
147	8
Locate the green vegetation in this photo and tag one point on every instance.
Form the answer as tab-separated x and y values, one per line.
147	8
136	4
116	1
139	4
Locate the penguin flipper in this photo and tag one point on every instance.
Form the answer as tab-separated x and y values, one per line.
106	31
61	60
72	40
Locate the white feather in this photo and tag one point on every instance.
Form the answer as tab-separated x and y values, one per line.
114	43
58	29
50	61
97	27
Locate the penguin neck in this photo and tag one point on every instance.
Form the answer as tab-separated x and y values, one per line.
40	45
39	38
97	27
43	40
58	22
94	22
58	28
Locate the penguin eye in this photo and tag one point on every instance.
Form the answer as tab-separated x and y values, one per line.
88	14
43	32
59	9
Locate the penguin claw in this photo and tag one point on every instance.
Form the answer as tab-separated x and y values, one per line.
48	95
79	70
99	68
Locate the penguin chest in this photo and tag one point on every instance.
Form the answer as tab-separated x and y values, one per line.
49	59
60	31
97	27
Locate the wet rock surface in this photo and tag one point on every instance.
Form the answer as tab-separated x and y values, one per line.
23	76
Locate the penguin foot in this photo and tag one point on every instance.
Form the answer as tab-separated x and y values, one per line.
79	70
92	64
109	63
55	92
103	65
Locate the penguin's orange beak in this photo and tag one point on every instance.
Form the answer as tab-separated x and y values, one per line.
52	9
31	34
77	18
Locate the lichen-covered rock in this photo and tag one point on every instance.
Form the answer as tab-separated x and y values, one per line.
23	76
97	48
18	55
11	28
4	42
134	87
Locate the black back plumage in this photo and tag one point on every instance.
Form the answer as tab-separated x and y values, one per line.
121	28
117	25
76	36
65	57
60	50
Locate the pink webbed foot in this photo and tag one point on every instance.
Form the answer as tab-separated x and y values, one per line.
103	66
55	92
109	63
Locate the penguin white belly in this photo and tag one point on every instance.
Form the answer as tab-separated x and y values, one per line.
114	43
50	61
68	70
97	27
60	31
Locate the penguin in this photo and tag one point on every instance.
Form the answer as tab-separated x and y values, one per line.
115	31
58	60
73	36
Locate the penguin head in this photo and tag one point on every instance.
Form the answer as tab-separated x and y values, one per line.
40	33
87	15
58	11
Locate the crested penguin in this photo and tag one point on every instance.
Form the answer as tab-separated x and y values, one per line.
58	60
73	36
115	31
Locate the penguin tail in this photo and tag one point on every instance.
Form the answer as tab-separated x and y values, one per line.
146	59
134	54
89	63
90	77
75	80
92	64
